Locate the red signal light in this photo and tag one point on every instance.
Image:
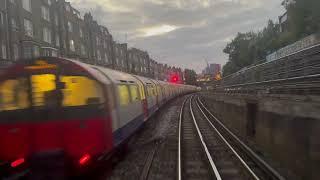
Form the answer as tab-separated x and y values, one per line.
84	159
174	79
17	162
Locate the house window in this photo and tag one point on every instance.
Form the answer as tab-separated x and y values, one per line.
57	41
28	28
97	41
15	51
36	51
71	46
14	24
4	51
56	20
81	33
49	2
46	35
83	50
98	55
70	26
54	53
1	18
45	13
67	8
26	4
106	57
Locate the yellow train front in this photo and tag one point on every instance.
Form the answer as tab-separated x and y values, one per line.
57	111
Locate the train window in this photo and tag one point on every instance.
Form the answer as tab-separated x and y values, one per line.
80	90
124	97
134	93
142	91
43	89
14	94
154	89
150	90
158	89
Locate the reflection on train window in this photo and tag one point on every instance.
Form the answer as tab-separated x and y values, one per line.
158	90
141	90
124	97
43	89
154	89
151	90
134	92
80	90
14	94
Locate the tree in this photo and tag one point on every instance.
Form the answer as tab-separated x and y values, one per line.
190	77
304	17
252	48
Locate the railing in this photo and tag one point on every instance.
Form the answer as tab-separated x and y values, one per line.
300	70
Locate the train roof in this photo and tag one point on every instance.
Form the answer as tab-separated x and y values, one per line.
118	76
144	80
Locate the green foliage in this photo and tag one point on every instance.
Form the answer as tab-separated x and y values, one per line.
251	48
190	77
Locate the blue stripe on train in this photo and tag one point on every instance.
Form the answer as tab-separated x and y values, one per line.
127	130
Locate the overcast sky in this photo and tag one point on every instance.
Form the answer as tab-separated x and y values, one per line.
181	32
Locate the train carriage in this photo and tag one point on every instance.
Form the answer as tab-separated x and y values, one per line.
54	108
71	112
151	94
128	105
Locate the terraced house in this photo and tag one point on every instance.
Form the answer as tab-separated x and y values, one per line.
33	28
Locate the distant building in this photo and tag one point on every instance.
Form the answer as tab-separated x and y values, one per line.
283	19
283	22
212	70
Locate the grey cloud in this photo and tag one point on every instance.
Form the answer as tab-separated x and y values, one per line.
204	27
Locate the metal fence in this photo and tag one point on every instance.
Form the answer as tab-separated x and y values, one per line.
299	71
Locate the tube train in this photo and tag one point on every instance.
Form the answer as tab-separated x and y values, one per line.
73	112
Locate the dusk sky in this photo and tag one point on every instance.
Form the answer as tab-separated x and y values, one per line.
181	32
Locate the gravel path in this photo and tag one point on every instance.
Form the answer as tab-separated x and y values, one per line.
162	129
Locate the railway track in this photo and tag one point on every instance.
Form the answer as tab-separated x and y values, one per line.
205	149
244	163
194	159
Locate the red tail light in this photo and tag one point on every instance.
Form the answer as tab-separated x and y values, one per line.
84	159
17	162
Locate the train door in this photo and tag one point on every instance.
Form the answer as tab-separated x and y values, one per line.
144	101
151	97
156	93
130	112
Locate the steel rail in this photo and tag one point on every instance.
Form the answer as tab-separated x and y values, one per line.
274	173
148	162
230	147
213	166
179	139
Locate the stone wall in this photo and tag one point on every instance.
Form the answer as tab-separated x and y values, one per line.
285	127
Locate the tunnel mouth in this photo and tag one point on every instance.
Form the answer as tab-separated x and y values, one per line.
252	110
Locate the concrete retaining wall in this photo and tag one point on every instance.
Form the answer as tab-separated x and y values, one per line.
287	128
